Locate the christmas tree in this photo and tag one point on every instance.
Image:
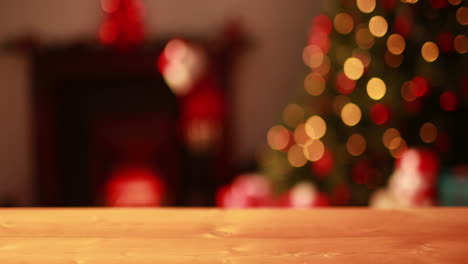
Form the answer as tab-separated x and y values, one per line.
385	76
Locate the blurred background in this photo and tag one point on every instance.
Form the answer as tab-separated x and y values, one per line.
233	103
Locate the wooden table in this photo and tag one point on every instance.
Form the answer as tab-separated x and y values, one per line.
84	236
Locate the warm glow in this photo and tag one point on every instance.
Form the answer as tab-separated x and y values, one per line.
356	144
376	88
300	135
339	102
389	136
378	26
462	15
398	151
353	68
343	84
393	60
351	114
460	44
363	56
324	68
430	51
364	38
314	149
366	6
314	84
407	91
293	114
428	132
409	1
396	44
296	156
343	23
455	2
312	56
315	127
278	137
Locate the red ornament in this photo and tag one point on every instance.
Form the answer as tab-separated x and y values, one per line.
343	84
134	186
248	190
448	101
380	114
445	41
322	167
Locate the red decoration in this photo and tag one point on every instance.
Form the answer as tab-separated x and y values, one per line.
343	84
380	114
134	186
448	101
123	25
248	190
322	167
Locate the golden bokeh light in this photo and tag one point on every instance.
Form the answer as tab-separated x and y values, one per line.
460	44
296	156
343	23
356	144
363	56
409	1
278	137
300	135
353	68
378	26
398	151
376	88
396	44
315	127
407	91
312	56
338	102
430	51
389	136
393	60
351	114
462	15
324	68
314	84
455	2
364	38
293	115
314	149
366	6
428	132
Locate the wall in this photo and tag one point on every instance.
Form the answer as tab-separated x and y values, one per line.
266	78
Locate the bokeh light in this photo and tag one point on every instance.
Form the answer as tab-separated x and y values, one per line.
366	6
314	149
343	84
300	135
389	136
428	132
278	137
293	115
314	84
312	56
396	44
409	1
398	151
407	91
376	88
363	56
356	144
296	156
343	23
379	114
448	101
455	2
351	114
324	68
378	26
315	127
364	38
462	15
353	68
461	44
430	51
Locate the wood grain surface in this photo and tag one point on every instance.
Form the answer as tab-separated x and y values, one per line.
85	236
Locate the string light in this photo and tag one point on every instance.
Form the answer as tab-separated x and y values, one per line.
343	23
460	44
366	6
376	88
351	114
353	68
356	144
315	127
278	137
378	26
293	114
314	149
462	15
396	44
314	84
296	156
428	132
430	51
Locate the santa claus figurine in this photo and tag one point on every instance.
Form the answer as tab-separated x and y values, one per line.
413	184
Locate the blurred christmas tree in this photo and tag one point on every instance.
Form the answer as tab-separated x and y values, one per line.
385	75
